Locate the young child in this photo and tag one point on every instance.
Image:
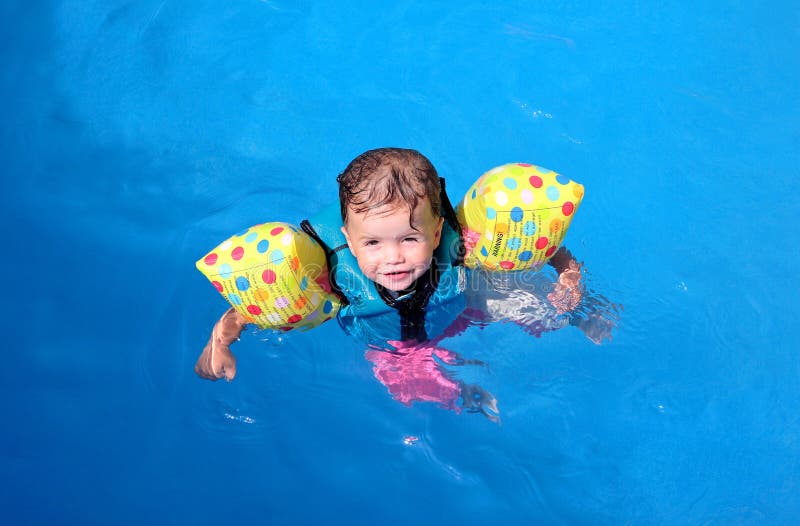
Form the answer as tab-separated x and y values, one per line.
392	212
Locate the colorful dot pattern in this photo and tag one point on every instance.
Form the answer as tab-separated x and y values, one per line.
521	213
274	275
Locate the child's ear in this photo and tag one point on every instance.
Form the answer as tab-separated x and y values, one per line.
438	236
347	238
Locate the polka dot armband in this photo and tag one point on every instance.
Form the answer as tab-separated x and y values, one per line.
275	275
515	216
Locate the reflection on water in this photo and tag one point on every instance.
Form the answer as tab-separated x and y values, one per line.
429	372
415	372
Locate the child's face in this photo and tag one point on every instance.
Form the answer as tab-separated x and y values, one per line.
389	251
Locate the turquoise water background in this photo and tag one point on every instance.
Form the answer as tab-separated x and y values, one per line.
137	135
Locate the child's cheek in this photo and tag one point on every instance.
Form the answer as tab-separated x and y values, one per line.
367	266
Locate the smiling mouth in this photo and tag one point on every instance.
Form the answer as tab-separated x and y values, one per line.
397	273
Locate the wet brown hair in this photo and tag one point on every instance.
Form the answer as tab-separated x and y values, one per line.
387	176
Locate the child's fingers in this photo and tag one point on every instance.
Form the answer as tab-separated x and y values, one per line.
229	370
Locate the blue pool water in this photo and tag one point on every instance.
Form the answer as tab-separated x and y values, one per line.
137	135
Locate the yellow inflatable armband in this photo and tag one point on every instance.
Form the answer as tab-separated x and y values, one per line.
274	275
515	216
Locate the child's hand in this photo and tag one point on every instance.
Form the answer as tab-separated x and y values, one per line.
567	292
597	317
216	361
596	327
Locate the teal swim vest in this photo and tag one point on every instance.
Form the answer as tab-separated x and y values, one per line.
370	311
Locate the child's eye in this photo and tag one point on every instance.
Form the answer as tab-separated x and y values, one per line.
370	243
412	239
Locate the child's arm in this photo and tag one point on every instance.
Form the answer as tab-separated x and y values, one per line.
505	297
216	360
567	292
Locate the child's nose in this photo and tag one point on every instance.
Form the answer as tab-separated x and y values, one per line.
394	254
